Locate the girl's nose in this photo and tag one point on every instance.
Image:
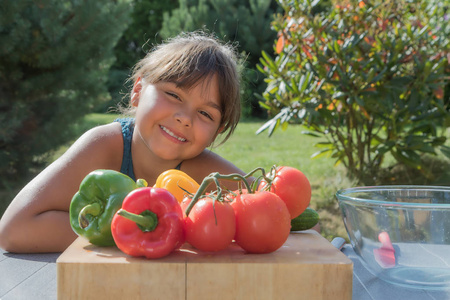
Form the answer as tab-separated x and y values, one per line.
183	118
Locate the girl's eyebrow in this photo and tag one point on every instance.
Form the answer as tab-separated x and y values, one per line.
213	104
210	103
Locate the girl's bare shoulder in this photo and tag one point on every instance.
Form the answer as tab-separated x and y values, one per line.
103	145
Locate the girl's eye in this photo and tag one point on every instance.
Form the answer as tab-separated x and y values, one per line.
204	113
173	95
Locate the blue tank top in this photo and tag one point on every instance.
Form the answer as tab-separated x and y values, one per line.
127	133
127	160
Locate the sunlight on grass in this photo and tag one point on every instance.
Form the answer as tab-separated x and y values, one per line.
289	147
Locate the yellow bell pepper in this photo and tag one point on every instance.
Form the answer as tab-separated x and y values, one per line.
177	182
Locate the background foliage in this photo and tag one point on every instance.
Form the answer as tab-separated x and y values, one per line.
369	76
245	23
144	30
54	59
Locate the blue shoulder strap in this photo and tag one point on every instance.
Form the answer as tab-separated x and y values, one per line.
127	132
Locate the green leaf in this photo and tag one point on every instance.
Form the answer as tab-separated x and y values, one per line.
314	3
294	86
359	101
408	157
273	127
338	95
438	141
288	86
268	61
323	144
445	150
261	69
320	153
379	75
385	148
311	133
302	82
265	126
336	47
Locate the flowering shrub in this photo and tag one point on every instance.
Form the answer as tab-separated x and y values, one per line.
368	76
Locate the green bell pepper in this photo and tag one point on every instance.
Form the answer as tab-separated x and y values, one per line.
93	207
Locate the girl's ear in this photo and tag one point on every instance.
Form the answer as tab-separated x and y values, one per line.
136	92
219	131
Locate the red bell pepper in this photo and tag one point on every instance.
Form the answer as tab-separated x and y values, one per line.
150	223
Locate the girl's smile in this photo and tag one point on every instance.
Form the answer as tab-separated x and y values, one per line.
172	134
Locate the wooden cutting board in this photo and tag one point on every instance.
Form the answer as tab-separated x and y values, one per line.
307	266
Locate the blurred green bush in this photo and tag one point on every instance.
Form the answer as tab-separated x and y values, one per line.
54	60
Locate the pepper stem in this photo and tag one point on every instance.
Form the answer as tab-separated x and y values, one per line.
146	220
93	209
141	182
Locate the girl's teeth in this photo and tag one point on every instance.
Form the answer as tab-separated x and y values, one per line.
172	134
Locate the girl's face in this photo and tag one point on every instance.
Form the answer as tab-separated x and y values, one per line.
175	123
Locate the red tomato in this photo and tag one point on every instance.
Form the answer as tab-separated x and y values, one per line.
210	226
263	222
292	186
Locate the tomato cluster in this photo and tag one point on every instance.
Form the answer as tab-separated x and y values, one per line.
152	223
259	220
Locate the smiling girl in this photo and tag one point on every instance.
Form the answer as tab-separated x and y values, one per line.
185	94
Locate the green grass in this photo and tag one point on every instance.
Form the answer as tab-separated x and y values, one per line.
289	147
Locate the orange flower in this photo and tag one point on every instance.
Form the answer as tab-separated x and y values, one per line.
332	60
370	89
439	93
332	105
310	39
280	44
361	4
364	112
306	50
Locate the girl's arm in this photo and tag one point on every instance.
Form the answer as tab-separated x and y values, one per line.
37	220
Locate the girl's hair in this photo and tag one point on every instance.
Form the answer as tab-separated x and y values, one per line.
191	57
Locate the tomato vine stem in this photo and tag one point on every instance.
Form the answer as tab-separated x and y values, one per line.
214	177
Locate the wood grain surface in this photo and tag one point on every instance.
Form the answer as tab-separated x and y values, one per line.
307	266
